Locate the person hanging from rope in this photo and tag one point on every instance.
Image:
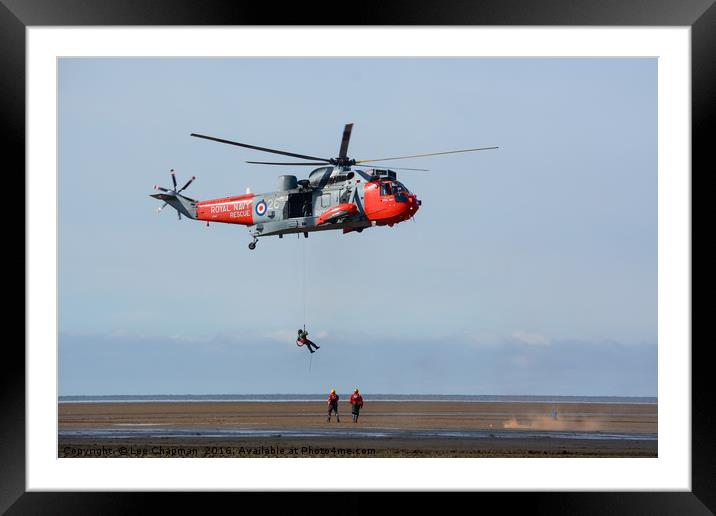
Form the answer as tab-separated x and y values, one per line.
333	405
356	404
303	339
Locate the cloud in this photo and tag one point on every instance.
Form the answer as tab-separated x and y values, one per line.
281	335
531	339
252	363
284	335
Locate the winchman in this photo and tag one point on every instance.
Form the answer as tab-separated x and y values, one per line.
333	405
303	339
356	404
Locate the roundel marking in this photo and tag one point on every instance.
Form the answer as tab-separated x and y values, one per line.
261	208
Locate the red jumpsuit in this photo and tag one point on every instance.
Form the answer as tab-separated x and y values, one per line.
333	406
356	404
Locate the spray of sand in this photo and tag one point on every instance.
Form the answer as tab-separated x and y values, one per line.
550	423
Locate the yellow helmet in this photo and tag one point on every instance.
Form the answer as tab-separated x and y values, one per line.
333	391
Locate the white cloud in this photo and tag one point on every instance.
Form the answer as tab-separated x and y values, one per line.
283	335
531	339
280	335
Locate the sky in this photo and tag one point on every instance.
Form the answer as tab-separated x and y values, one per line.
530	269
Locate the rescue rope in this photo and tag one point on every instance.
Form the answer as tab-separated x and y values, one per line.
304	282
302	258
303	245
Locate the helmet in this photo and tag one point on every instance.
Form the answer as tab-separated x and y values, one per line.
333	391
356	389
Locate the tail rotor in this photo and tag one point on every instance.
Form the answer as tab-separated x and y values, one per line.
172	196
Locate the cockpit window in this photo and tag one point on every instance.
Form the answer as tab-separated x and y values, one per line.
385	189
399	187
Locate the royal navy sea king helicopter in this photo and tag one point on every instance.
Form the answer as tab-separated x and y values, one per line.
335	196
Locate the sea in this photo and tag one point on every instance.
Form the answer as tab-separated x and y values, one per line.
264	398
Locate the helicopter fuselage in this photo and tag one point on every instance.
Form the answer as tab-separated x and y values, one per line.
326	201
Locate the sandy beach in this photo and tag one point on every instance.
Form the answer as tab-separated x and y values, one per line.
385	429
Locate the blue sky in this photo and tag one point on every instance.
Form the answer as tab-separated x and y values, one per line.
531	269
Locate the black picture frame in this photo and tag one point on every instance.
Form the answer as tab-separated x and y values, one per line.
17	15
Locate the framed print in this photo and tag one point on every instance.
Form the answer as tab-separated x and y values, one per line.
552	354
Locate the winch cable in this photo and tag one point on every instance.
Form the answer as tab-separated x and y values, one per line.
304	283
303	245
301	257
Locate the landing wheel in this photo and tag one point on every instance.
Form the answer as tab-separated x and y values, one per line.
252	245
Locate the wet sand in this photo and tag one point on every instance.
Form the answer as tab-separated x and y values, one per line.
385	429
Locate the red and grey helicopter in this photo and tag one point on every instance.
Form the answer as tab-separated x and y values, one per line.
335	196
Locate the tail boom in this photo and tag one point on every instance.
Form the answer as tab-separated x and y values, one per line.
231	210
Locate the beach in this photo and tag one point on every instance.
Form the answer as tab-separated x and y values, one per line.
384	429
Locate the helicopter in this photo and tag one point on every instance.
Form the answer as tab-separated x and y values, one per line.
335	196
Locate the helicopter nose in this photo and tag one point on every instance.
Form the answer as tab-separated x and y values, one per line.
414	204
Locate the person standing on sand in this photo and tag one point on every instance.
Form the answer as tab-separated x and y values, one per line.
356	404
333	405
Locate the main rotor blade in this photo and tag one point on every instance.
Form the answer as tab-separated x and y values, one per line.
344	142
187	184
423	155
402	168
264	149
274	163
163	205
174	179
161	188
362	174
